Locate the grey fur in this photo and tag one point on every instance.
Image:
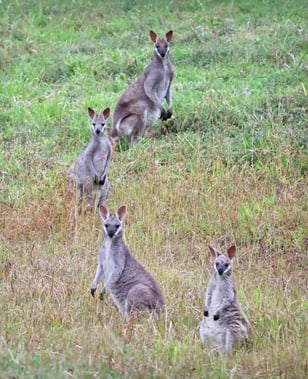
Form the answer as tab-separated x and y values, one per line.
140	105
224	324
127	281
90	169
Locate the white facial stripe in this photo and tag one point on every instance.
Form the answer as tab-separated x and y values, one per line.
118	230
105	230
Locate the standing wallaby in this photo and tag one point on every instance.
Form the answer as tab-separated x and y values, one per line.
130	285
224	324
140	105
90	169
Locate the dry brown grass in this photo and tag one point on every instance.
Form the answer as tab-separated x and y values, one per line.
49	259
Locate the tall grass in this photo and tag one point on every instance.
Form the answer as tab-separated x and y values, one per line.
230	166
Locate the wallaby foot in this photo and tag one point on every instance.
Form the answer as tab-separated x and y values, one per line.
101	295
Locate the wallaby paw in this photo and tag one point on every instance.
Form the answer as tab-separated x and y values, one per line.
163	115
101	295
93	291
206	313
96	179
216	317
102	180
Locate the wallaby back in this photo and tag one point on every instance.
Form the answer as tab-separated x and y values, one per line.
130	285
224	323
140	105
90	169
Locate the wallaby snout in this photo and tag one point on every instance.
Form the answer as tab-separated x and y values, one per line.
162	50
112	230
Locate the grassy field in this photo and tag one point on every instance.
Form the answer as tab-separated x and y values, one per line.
230	166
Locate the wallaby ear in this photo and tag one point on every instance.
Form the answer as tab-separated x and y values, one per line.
213	251
106	113
121	212
153	36
91	113
231	251
103	212
169	35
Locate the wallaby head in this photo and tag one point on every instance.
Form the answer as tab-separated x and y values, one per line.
98	120
112	224
161	46
222	262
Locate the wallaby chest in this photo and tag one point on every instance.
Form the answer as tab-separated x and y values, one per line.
160	76
100	153
220	290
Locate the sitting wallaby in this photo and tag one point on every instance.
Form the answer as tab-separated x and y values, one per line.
130	285
140	105
224	324
90	169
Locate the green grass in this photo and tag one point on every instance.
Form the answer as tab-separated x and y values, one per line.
231	165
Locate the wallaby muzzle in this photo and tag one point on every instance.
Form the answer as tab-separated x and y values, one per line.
162	50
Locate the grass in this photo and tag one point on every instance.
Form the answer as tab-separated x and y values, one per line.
231	165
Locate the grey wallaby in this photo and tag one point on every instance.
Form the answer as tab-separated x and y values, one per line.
129	284
140	105
224	324
90	169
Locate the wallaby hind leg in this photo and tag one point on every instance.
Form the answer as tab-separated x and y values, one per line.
230	341
133	126
103	193
140	297
89	194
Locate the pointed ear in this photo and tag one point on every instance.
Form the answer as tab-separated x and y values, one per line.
121	212
103	212
153	36
106	113
169	35
91	113
213	251
231	251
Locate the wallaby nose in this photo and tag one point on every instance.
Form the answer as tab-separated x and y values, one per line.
220	271
97	131
111	233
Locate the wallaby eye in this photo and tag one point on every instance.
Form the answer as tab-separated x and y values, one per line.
93	124
226	265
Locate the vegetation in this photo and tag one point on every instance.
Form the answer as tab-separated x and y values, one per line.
231	164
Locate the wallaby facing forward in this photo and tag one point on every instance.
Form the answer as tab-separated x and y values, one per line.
224	324
140	105
90	169
130	285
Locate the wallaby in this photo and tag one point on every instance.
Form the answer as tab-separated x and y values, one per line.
130	285
90	169
140	105
224	324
